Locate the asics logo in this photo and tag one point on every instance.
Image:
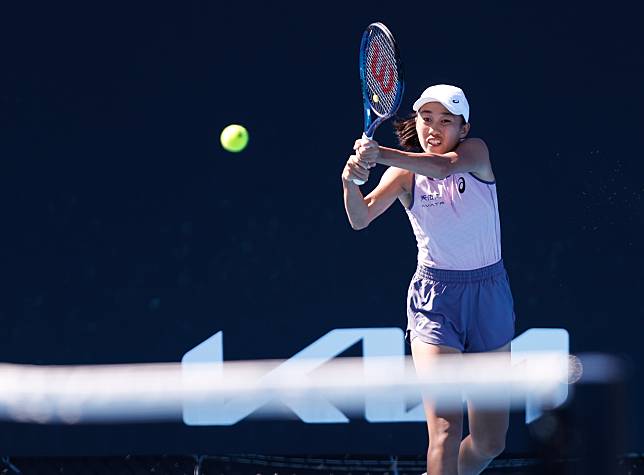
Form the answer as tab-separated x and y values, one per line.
461	185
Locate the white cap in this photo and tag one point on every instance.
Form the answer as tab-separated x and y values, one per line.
452	97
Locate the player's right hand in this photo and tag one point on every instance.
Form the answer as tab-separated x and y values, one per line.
355	169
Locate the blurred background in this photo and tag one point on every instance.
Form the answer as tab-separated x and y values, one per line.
129	235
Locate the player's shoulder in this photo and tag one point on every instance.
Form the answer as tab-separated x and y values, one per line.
395	173
476	142
482	166
401	176
477	149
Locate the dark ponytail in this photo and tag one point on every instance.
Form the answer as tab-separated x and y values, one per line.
405	130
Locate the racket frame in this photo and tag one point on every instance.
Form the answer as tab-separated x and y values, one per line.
371	123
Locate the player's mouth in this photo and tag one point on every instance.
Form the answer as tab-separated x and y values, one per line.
434	142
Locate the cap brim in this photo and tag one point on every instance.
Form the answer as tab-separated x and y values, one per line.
424	100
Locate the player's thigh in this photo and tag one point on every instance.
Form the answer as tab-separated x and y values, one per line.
488	426
444	418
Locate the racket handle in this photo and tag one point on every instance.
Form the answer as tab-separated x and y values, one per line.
355	180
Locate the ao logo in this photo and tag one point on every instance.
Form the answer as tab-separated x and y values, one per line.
376	342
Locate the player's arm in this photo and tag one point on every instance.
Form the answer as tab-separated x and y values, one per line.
471	155
361	210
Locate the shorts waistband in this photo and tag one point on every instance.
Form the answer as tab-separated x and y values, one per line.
474	275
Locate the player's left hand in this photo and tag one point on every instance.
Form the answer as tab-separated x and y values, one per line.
367	150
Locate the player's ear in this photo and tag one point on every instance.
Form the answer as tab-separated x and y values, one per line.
465	129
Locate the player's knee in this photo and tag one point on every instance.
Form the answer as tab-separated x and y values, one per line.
445	443
490	446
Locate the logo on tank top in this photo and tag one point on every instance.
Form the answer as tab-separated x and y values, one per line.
461	185
432	198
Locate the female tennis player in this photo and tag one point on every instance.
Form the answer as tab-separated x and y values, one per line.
459	299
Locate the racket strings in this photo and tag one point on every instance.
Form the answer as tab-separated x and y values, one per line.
381	73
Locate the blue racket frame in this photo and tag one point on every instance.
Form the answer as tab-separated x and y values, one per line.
370	124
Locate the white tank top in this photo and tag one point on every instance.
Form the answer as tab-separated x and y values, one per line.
456	222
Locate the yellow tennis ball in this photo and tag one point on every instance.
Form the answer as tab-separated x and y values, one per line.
234	138
375	98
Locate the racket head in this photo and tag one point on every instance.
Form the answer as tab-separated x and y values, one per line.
381	76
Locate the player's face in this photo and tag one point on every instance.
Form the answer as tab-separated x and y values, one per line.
439	131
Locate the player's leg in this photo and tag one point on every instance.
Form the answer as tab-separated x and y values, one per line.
445	428
488	429
490	328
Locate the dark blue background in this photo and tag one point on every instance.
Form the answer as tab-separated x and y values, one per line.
129	235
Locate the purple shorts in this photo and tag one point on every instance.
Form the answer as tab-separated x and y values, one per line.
470	310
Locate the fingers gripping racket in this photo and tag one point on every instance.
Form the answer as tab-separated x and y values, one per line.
381	78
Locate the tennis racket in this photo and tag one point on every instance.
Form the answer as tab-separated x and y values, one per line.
381	78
